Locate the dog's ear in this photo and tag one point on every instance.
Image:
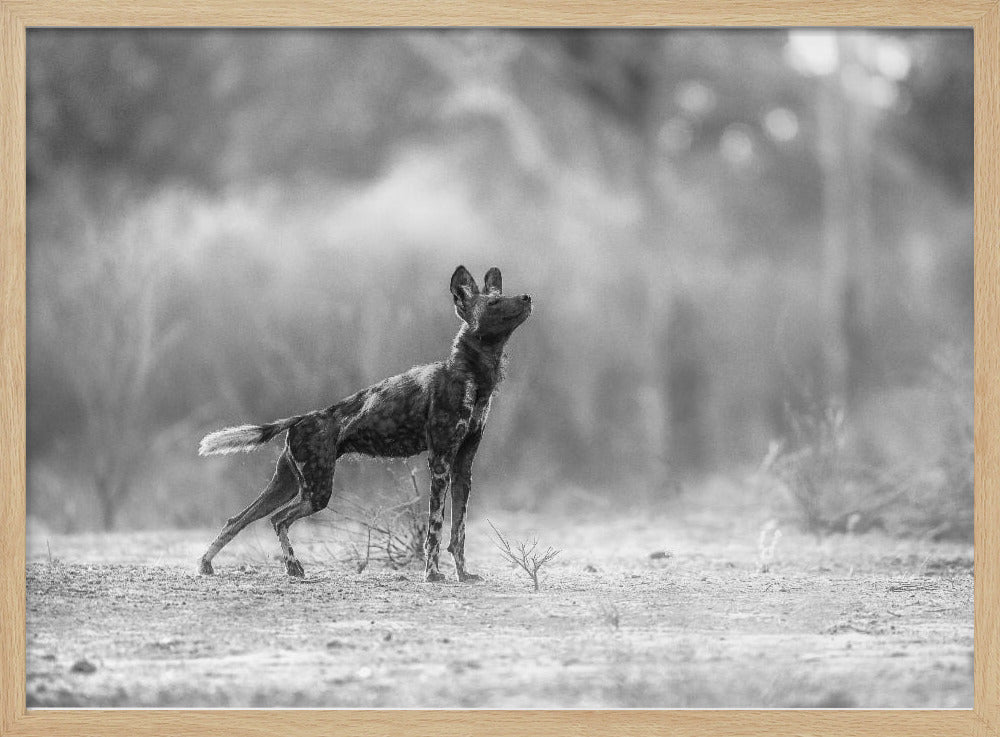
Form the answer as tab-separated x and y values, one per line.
493	282
463	289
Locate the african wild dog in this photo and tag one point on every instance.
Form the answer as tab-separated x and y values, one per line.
440	408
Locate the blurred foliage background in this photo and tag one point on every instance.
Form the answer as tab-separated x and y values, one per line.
750	251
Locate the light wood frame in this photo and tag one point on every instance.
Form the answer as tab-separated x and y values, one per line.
17	15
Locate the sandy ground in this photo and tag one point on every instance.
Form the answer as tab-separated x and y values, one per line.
870	621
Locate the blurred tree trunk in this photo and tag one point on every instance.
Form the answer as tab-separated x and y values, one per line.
857	297
844	140
109	498
111	359
623	75
685	381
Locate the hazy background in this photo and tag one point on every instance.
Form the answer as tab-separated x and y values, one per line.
751	255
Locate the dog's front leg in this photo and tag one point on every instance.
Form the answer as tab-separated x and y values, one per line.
440	467
461	486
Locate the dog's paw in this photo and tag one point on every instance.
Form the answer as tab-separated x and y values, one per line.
467	577
295	568
205	568
433	576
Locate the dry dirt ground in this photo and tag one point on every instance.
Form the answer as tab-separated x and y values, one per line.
869	621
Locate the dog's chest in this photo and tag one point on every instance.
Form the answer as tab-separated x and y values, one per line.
480	404
480	411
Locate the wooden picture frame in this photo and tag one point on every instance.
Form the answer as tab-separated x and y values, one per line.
18	15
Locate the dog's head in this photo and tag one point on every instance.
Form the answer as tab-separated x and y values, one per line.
488	313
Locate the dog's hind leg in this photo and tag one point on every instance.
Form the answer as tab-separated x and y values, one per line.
279	491
316	487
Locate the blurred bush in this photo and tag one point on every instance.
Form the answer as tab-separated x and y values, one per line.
230	226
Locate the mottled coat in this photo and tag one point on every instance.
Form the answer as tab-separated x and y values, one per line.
440	408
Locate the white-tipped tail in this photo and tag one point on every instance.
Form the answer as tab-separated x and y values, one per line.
240	439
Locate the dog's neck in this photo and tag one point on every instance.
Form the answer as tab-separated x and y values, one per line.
482	358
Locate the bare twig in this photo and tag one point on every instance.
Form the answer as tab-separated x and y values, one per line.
523	554
362	565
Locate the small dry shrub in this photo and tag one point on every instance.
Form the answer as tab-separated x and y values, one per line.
389	532
523	554
942	505
832	486
908	459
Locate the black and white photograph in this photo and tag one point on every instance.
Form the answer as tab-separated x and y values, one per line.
499	369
